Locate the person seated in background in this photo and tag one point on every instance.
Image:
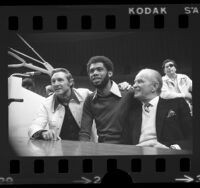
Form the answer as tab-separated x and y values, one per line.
59	117
102	105
176	85
28	83
49	90
150	120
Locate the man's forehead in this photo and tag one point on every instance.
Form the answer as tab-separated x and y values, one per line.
169	62
58	74
138	76
97	64
143	75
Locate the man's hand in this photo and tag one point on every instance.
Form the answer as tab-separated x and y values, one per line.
49	135
124	86
153	143
188	96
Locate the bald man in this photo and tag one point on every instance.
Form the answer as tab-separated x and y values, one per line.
153	121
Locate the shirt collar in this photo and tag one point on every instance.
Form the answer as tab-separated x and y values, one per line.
73	97
154	101
114	90
168	78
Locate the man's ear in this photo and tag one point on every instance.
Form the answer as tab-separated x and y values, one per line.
71	82
155	87
110	74
175	69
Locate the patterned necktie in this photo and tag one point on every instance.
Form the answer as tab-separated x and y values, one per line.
146	107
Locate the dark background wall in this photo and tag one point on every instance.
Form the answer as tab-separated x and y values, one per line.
129	51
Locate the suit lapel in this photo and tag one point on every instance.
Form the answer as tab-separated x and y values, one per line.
160	116
137	124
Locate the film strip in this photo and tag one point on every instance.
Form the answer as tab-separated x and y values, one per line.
67	36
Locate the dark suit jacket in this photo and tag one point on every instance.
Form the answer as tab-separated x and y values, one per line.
173	122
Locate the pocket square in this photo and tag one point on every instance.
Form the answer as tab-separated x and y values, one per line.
171	113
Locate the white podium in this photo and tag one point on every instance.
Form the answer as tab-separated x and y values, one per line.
21	114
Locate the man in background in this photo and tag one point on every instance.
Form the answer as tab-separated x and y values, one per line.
28	83
49	90
176	85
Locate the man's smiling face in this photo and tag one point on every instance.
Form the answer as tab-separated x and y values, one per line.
61	85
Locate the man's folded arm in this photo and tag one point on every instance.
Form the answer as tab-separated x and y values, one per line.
168	94
39	123
86	121
83	136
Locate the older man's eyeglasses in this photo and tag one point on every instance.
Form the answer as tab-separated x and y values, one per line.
170	65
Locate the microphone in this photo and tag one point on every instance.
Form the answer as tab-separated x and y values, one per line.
15	100
33	73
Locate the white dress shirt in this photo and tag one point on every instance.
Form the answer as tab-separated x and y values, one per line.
179	87
148	127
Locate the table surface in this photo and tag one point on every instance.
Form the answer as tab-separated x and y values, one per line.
27	147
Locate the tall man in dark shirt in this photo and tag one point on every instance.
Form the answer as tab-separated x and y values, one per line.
103	104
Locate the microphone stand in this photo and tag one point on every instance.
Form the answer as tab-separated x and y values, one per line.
24	64
14	53
45	63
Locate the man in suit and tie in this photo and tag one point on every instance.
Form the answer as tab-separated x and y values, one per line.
152	121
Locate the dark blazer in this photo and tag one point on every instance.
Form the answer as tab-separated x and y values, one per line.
173	122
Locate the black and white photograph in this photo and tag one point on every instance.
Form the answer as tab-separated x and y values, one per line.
100	93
